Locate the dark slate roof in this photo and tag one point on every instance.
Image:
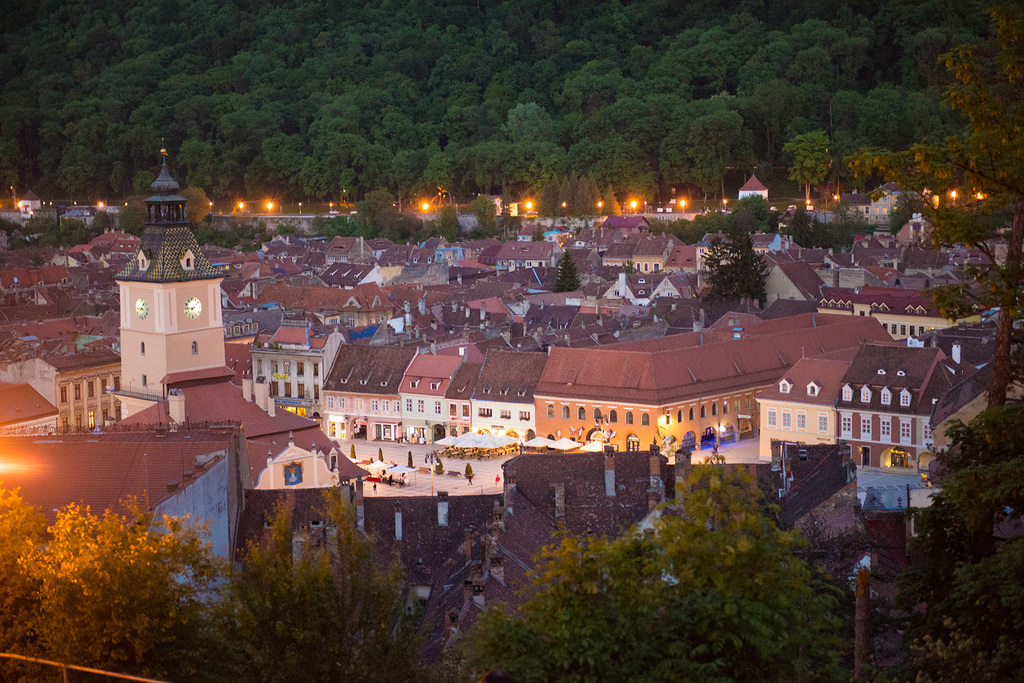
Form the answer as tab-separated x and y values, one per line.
509	376
369	369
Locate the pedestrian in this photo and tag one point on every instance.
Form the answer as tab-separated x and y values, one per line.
375	488
497	479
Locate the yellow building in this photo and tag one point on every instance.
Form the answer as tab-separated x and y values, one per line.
902	312
85	384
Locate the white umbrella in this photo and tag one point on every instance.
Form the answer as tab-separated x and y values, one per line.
593	447
448	441
400	469
565	444
538	442
377	465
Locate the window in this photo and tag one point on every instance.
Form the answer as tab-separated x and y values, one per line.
316	369
437	407
865	426
911	329
886	396
195	348
453	410
316	393
703	411
106	415
581	414
629	417
903	329
374	405
822	423
865	395
784	387
847	426
78	392
904	398
300	368
341	402
117	412
714	409
927	431
408	405
551	411
359	404
885	429
330	401
524	415
92	419
90	388
691	414
787	419
801	422
117	384
506	414
725	407
273	389
485	412
144	383
597	414
773	418
565	412
847	393
63	394
465	410
645	420
419	406
142	348
288	389
302	390
273	366
287	367
78	421
905	431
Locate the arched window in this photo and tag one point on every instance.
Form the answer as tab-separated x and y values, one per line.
679	416
142	346
645	420
703	411
581	413
691	414
565	412
613	416
597	414
195	348
725	407
714	409
551	411
629	418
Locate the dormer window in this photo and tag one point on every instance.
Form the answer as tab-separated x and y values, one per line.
414	384
188	261
847	393
143	262
813	389
886	396
905	398
784	387
901	373
881	371
865	395
435	386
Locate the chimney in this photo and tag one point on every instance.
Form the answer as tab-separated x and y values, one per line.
433	345
609	472
467	311
498	569
956	353
360	510
261	391
510	493
421	306
622	285
442	508
483	311
559	501
247	389
459	278
271	407
656	491
176	405
398	521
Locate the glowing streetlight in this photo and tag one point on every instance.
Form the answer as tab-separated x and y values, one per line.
425	206
979	196
300	207
632	205
682	203
529	206
100	205
241	206
952	194
600	204
270	206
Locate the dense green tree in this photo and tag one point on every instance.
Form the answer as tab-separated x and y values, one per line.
448	224
483	208
197	205
809	159
568	278
702	598
735	270
321	610
967	583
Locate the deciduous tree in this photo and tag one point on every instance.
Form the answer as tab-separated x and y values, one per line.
809	159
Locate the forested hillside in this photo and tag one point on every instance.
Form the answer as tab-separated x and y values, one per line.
325	100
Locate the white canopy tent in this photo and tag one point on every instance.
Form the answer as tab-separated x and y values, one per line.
538	442
564	444
593	447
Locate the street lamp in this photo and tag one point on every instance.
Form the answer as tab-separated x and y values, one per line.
425	206
270	207
241	206
300	207
600	204
529	205
632	205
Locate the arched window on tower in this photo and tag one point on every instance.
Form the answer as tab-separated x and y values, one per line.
142	348
195	348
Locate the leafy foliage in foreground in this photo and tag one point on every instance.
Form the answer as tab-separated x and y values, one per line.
715	593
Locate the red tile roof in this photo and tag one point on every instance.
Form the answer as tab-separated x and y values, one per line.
22	403
753	185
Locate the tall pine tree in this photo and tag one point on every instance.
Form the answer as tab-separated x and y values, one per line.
735	270
568	278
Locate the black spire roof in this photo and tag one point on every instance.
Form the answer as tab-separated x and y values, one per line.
168	251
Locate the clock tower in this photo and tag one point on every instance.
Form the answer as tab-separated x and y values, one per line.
171	325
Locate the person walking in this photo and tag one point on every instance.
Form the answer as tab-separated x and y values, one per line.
374	488
497	479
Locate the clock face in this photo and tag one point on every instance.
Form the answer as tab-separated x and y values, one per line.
142	309
193	307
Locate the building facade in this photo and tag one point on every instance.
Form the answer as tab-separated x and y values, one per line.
424	407
86	386
503	401
361	393
294	362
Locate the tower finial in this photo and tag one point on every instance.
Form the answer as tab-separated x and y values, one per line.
163	150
